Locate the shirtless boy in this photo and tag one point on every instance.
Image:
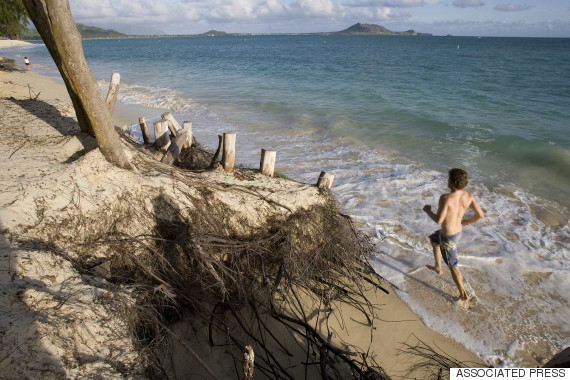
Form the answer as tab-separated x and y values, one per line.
450	212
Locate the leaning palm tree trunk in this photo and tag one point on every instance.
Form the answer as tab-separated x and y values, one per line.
55	24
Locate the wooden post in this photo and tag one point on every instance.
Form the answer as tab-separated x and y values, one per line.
325	181
267	163
248	360
175	148
161	138
187	126
113	92
172	123
144	130
228	153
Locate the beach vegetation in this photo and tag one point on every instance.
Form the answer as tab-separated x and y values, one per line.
13	18
332	209
279	174
31	34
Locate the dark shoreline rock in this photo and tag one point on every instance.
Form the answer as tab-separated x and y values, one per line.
9	65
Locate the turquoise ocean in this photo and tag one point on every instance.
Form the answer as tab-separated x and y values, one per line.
388	116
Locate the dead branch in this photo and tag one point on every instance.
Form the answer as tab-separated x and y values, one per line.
433	362
17	149
217	154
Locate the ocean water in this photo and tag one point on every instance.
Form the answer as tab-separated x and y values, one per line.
388	116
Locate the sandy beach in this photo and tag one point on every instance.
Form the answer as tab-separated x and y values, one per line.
13	43
55	319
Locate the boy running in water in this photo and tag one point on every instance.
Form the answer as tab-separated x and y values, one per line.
450	211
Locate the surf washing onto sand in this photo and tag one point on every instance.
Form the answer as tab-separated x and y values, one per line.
388	116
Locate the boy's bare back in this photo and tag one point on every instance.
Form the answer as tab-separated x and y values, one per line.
454	205
451	209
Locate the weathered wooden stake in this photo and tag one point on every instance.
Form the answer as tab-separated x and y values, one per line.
248	359
113	92
325	181
187	126
161	138
172	123
267	163
175	148
228	153
144	130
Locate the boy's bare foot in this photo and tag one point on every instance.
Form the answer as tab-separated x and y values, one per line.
463	303
435	269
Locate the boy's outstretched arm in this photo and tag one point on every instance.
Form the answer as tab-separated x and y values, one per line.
478	213
438	217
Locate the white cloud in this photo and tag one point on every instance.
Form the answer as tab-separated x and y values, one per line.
260	16
271	8
467	3
370	13
386	3
87	8
405	3
510	7
233	10
119	9
313	8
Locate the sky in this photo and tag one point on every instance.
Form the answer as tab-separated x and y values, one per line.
503	18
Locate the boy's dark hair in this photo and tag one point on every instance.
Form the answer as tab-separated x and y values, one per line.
457	178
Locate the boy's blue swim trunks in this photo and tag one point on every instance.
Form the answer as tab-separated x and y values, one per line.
448	246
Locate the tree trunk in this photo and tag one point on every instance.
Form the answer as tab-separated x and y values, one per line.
53	20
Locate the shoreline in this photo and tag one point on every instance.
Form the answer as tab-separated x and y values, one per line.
13	43
399	324
124	114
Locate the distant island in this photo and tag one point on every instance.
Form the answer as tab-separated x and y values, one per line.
212	33
373	29
357	29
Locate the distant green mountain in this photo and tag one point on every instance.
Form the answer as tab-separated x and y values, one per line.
212	33
84	30
373	29
94	32
30	34
366	29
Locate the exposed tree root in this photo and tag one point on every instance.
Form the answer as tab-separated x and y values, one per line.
180	264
